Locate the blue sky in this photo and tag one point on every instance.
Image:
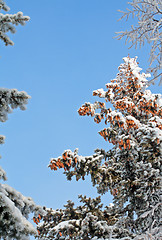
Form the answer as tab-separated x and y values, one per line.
66	51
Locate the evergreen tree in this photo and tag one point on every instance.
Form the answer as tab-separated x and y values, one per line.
131	170
14	207
147	29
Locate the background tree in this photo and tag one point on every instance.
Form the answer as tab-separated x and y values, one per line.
147	29
130	170
14	207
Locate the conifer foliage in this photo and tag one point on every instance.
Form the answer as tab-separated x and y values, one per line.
14	207
8	23
130	170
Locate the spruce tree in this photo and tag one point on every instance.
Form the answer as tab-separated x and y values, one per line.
131	170
14	207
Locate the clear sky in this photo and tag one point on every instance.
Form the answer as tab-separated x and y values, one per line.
65	52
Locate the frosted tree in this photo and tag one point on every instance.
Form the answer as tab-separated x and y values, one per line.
14	207
130	171
147	29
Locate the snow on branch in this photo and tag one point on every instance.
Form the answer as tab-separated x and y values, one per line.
148	29
130	170
11	99
14	212
8	23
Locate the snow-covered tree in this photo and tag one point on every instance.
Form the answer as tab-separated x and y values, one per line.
147	29
14	207
131	170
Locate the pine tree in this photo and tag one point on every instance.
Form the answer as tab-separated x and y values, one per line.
147	29
131	170
14	207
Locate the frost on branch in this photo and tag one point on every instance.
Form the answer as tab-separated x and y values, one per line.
14	207
75	165
148	29
87	221
131	170
8	23
14	212
11	99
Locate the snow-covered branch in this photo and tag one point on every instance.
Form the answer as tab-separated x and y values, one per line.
8	23
148	29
